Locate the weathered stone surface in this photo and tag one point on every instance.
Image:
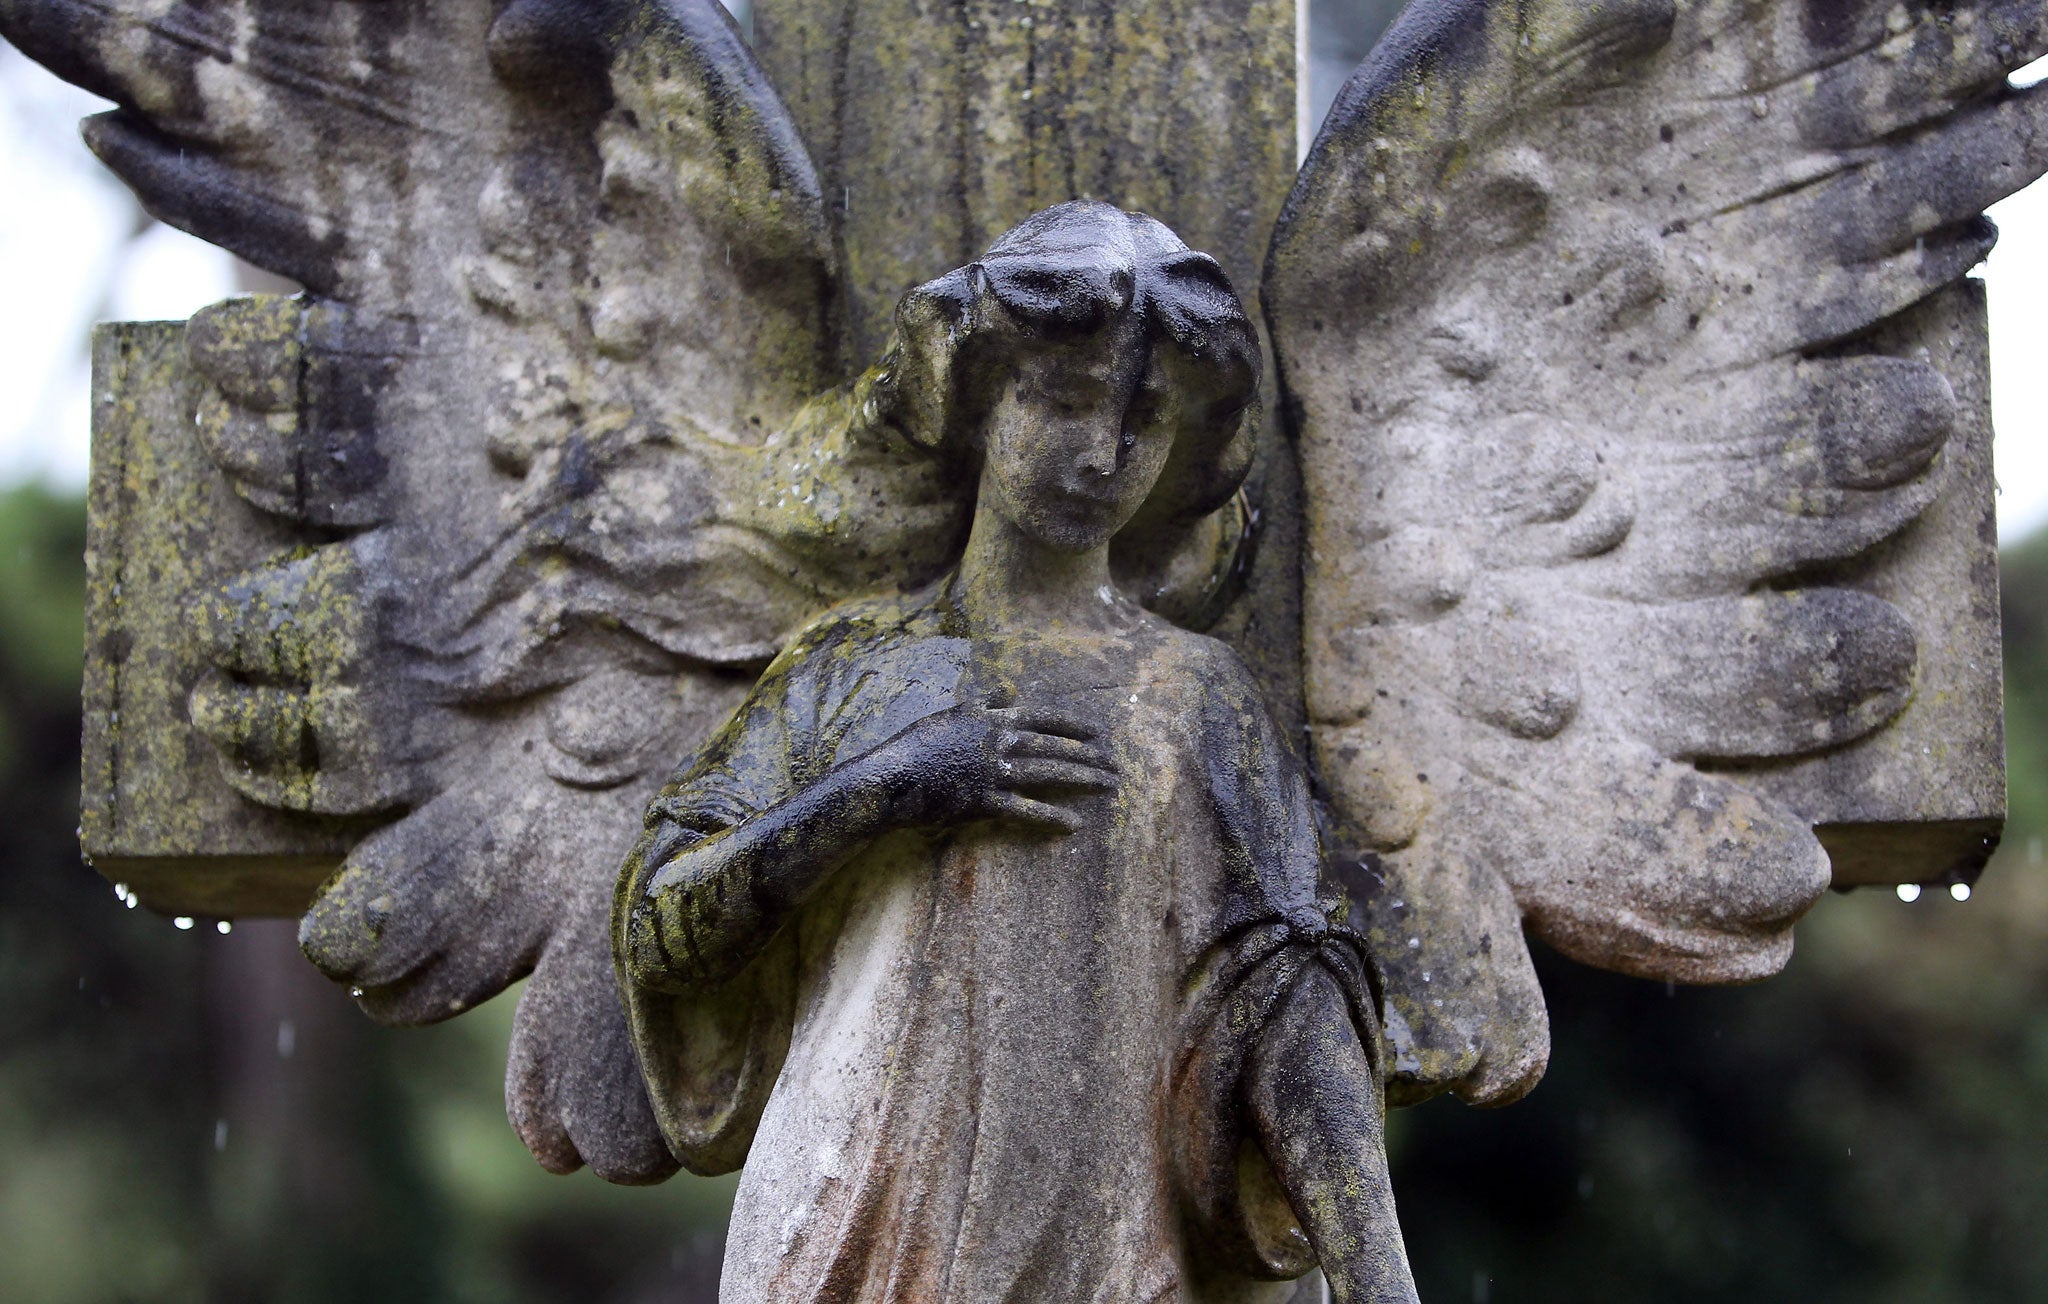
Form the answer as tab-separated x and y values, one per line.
553	454
1002	895
319	414
165	529
1611	465
1923	799
936	127
1643	535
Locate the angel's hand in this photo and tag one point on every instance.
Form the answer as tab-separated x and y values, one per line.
975	762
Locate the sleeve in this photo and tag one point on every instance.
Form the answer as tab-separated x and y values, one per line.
1280	920
711	1057
755	760
1258	790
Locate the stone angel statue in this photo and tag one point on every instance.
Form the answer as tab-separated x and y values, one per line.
988	931
1613	519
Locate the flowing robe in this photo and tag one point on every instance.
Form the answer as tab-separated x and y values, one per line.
988	1063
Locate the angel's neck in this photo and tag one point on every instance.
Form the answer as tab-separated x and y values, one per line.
1009	580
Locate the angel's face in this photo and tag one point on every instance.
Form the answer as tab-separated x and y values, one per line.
1076	440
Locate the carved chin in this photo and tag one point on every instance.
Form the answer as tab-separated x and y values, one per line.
1074	529
1058	519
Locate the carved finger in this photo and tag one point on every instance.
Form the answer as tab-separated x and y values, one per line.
166	173
316	749
251	352
251	348
1836	456
302	621
1034	772
1046	720
1687	877
1880	420
1904	79
253	449
1040	814
417	924
291	403
1836	302
115	63
1775	674
1463	1008
1056	747
1943	176
442	910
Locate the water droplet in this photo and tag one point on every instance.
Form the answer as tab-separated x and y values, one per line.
1909	892
287	1038
1960	891
120	891
224	927
356	992
183	923
220	1134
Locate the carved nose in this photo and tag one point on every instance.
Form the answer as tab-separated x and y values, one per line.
1098	456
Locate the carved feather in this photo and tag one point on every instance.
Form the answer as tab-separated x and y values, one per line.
1567	301
558	416
564	423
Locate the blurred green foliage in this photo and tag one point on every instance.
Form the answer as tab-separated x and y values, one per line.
188	1116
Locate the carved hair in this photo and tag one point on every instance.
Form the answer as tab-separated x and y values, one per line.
1064	276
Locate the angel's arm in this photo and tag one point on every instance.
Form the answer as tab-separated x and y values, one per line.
1315	1099
709	907
1312	1085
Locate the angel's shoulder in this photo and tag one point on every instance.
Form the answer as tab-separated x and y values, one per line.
1206	665
847	650
872	621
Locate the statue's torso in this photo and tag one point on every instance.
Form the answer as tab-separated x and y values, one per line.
975	1104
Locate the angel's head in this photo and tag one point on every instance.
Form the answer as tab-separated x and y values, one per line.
1091	367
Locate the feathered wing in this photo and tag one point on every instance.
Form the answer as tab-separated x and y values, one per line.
1566	302
557	416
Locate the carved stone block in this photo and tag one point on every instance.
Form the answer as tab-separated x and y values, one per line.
164	528
1923	799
